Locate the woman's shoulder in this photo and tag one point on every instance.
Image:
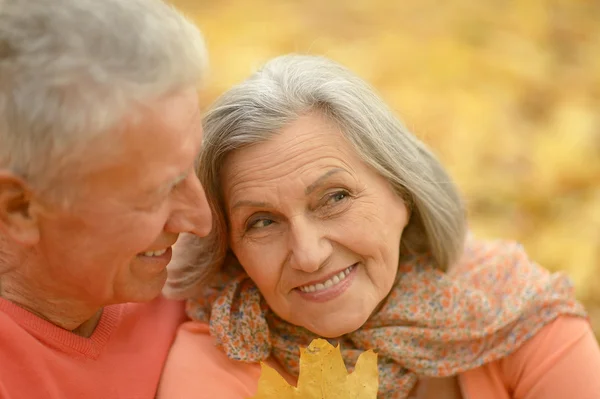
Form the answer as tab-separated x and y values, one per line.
561	360
480	252
561	353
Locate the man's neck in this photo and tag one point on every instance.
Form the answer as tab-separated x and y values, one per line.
69	315
33	294
86	329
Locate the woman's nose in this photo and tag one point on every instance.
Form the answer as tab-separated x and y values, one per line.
310	248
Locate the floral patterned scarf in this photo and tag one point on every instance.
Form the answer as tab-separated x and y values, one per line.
432	323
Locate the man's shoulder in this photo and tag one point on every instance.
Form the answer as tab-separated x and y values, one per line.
9	330
195	353
159	307
15	325
153	323
125	355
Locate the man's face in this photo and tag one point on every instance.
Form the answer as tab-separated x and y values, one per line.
113	243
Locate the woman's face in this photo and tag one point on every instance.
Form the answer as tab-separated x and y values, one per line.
315	228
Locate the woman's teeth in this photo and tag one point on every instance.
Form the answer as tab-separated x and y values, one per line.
155	253
328	283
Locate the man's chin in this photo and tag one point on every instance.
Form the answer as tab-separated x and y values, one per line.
144	291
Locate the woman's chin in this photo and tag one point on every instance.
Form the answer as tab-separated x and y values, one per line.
334	327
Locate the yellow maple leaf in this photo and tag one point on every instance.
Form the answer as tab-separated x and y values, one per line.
323	375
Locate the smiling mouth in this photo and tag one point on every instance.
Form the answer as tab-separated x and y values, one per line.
330	282
159	252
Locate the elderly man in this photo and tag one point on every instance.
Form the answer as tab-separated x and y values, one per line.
99	132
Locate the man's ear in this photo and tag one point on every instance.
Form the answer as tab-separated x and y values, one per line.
16	216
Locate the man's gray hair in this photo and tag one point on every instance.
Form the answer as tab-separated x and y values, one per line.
279	93
71	70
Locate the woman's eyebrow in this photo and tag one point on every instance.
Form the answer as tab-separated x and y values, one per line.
252	204
313	186
321	180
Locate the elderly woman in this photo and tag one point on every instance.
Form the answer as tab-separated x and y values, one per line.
332	220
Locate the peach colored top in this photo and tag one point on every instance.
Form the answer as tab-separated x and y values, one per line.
122	359
561	361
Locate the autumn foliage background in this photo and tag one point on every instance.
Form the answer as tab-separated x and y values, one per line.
507	92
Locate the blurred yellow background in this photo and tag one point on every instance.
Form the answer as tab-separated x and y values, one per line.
507	92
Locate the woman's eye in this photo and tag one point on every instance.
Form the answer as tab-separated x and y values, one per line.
259	224
336	197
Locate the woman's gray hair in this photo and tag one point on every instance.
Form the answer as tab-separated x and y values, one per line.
71	70
279	93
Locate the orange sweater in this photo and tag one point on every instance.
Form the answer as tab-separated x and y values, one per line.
561	361
123	359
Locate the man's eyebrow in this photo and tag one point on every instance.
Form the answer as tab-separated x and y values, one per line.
321	180
178	179
167	185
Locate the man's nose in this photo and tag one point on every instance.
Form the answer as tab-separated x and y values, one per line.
191	212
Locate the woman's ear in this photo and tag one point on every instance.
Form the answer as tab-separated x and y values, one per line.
16	216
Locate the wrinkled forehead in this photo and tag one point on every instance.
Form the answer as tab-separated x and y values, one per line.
303	148
170	120
159	142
